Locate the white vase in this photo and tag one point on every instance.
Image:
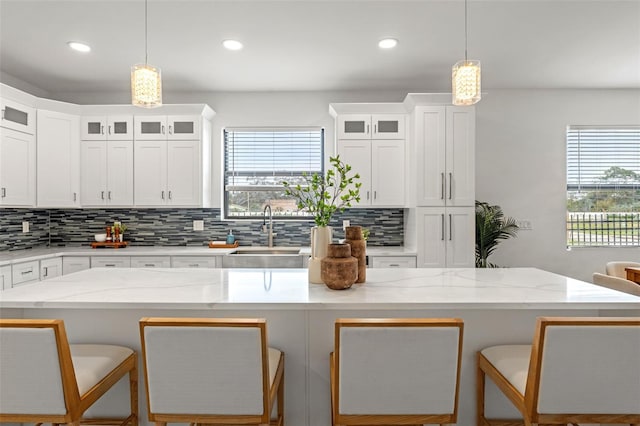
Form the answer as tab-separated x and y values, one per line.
320	239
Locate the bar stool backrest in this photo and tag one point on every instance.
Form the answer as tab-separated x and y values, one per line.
586	367
212	368
30	368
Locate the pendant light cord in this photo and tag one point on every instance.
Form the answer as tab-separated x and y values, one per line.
465	30
145	33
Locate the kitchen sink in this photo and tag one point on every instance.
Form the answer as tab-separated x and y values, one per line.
263	257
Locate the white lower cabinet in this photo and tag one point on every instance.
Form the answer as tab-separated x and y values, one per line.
50	268
110	262
5	277
150	262
75	264
25	272
392	261
446	237
195	262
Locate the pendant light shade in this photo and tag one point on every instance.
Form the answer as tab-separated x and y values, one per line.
465	75
146	82
146	86
465	78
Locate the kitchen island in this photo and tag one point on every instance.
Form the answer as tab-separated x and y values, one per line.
497	305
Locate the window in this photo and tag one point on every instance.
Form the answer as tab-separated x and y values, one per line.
256	161
603	186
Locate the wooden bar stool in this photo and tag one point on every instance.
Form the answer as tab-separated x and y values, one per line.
211	371
395	371
577	370
43	379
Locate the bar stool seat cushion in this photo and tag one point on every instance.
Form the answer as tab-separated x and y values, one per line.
512	361
92	363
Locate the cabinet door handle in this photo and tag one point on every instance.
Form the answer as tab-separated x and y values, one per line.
75	197
450	180
170	129
162	195
163	129
442	227
46	271
375	194
450	228
367	129
109	129
102	130
102	195
375	129
109	195
3	113
169	194
442	186
4	192
367	195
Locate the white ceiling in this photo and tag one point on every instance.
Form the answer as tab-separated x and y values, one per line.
322	44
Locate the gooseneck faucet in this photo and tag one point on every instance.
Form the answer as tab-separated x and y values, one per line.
264	224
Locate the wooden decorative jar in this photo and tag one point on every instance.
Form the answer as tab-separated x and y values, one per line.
339	270
358	250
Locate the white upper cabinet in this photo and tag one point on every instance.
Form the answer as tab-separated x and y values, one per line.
17	116
167	173
171	127
445	147
107	173
96	128
17	168
58	159
371	126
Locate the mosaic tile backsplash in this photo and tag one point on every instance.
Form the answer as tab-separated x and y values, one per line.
174	227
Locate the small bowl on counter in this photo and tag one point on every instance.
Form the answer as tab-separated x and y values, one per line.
100	238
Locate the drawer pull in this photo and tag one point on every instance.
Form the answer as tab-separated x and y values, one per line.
30	271
109	265
150	264
193	265
394	265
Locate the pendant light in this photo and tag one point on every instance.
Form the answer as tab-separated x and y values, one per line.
465	75
146	83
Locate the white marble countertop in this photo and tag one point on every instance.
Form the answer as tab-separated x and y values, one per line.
508	288
10	257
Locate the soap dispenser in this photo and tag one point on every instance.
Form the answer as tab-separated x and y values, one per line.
231	239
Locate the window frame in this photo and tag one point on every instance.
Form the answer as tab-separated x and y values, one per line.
301	216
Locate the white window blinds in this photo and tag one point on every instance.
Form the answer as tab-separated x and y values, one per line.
602	157
263	158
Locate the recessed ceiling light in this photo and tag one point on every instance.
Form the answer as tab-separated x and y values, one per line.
79	47
387	43
232	44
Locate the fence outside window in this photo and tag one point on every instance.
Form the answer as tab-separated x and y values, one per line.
593	229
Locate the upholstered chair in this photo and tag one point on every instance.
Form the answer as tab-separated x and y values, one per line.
616	283
44	379
578	370
395	371
616	269
212	371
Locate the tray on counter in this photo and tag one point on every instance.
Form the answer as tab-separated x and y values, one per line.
110	244
226	246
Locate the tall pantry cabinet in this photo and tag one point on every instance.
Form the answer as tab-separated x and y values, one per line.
445	186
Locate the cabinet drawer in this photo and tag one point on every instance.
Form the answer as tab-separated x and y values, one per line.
394	262
110	262
23	273
75	264
195	262
150	262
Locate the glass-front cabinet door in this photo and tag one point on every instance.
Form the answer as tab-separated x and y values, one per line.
93	128
387	126
354	126
17	116
120	128
183	127
151	127
99	128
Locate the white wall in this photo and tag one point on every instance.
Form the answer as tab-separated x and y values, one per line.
521	166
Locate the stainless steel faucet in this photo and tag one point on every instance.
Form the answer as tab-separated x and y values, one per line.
264	224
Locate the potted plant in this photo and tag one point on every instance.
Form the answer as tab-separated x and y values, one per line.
322	196
491	227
